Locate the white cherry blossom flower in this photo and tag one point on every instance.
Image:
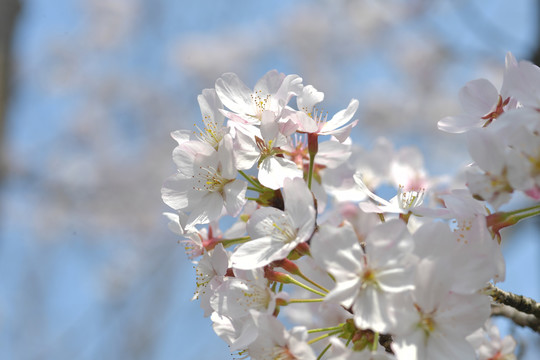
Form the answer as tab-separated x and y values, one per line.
275	233
275	342
263	147
434	322
489	345
482	103
311	120
272	92
338	351
367	277
210	272
206	182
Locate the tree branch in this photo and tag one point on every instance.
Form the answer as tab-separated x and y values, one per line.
518	317
518	302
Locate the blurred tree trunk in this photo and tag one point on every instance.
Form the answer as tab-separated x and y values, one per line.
535	53
9	11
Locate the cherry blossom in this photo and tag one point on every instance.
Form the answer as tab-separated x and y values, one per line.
275	233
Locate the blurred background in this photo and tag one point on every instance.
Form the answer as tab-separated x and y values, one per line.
91	89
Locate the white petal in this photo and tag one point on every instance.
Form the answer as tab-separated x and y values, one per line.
235	196
259	252
478	97
298	201
342	117
234	94
274	170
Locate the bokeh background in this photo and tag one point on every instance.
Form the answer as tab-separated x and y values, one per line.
91	89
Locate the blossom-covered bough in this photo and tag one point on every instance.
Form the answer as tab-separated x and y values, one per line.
313	264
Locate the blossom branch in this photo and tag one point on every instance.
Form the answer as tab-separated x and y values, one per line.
518	317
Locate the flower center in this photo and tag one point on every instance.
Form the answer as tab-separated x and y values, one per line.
284	231
260	102
210	179
211	134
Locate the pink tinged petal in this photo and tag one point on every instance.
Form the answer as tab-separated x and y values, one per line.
298	201
274	170
486	150
234	94
235	196
341	117
460	123
534	192
287	127
208	209
260	252
478	97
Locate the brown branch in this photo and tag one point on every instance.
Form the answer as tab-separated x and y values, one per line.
9	10
518	317
518	302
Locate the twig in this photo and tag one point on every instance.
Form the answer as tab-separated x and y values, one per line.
518	317
518	302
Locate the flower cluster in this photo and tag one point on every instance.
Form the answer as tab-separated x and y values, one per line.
310	243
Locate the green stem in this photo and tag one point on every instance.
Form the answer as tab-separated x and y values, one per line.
255	189
252	198
324	350
323	336
310	171
333	328
313	149
311	281
296	282
230	242
375	342
535	207
292	301
251	181
350	339
381	216
525	215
